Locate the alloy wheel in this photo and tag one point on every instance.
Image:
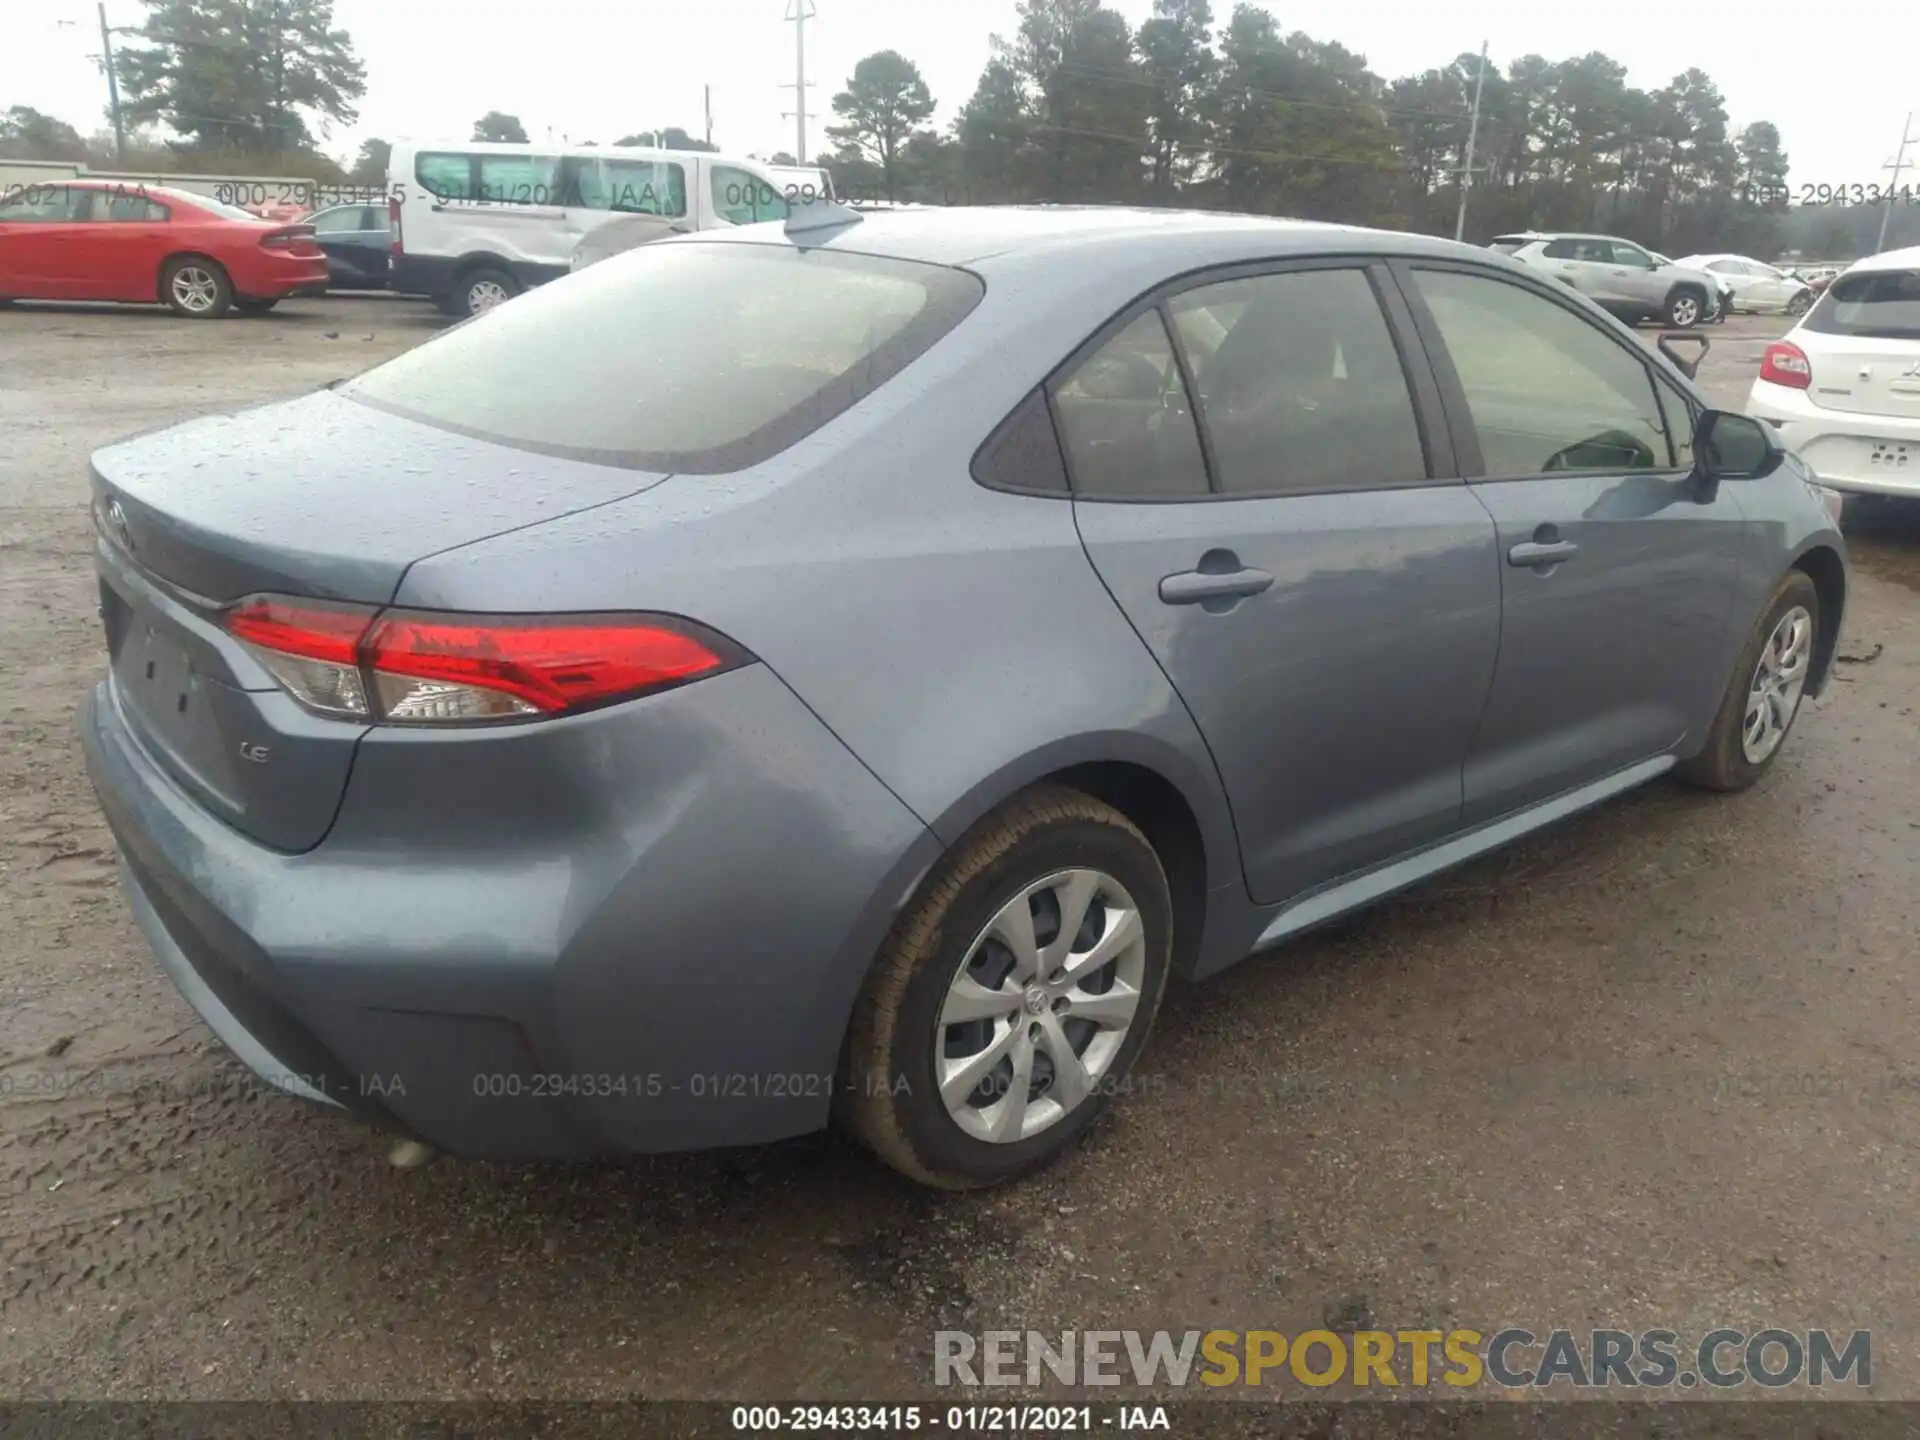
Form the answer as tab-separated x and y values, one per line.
195	289
1686	310
1773	695
1040	1006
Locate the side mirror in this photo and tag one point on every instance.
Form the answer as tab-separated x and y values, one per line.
1727	446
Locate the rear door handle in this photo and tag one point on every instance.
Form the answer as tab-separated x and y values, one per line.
1196	587
1532	555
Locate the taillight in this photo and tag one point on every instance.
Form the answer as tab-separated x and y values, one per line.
1785	364
398	247
408	667
298	243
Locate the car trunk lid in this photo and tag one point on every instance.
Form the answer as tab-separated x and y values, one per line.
319	498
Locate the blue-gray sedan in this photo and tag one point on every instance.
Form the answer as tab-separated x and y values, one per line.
842	671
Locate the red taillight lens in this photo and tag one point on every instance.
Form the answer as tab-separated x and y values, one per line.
398	247
1785	364
298	243
288	627
417	667
533	666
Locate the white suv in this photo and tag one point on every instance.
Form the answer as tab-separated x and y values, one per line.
1843	386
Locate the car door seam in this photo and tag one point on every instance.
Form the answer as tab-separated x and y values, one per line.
1233	819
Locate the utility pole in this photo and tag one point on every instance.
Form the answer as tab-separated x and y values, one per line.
799	12
113	88
1899	164
709	109
1473	134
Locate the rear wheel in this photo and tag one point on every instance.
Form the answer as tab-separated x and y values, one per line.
1684	308
1013	996
483	289
1763	697
196	287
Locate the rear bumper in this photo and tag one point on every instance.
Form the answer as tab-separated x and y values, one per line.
1850	452
637	930
276	278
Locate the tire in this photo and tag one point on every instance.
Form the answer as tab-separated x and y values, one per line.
1684	308
481	289
1007	865
1725	762
1800	304
195	287
254	307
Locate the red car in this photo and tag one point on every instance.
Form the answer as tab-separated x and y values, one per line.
150	244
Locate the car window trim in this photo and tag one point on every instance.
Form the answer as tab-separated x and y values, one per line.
1688	404
1008	421
1473	465
1425	397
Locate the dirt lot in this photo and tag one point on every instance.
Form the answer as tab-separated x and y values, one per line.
1654	1068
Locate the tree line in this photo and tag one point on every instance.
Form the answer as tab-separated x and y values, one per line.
1076	106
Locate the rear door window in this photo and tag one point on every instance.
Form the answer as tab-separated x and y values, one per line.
1300	385
690	357
1878	304
1125	421
631	187
336	222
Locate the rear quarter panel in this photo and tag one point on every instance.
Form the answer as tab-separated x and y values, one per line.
955	638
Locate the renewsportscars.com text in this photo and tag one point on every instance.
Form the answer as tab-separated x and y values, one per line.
1771	1357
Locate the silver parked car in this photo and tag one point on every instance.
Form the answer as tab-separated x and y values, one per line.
1617	275
845	669
1758	288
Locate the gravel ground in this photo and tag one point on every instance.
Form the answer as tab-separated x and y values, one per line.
1652	1068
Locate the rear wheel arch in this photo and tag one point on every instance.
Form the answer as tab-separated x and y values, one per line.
480	260
1162	814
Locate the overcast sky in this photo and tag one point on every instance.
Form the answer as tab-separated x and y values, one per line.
599	69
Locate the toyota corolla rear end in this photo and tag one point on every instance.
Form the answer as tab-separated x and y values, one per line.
518	884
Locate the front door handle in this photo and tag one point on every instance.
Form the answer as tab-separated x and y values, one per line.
1197	587
1535	555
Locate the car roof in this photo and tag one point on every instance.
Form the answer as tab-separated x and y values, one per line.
1907	259
966	235
1562	235
530	147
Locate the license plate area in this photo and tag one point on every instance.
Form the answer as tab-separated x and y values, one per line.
1892	455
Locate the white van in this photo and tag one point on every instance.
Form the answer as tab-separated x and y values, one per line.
476	223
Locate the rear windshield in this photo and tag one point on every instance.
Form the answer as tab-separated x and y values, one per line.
205	202
1874	303
692	356
1507	244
